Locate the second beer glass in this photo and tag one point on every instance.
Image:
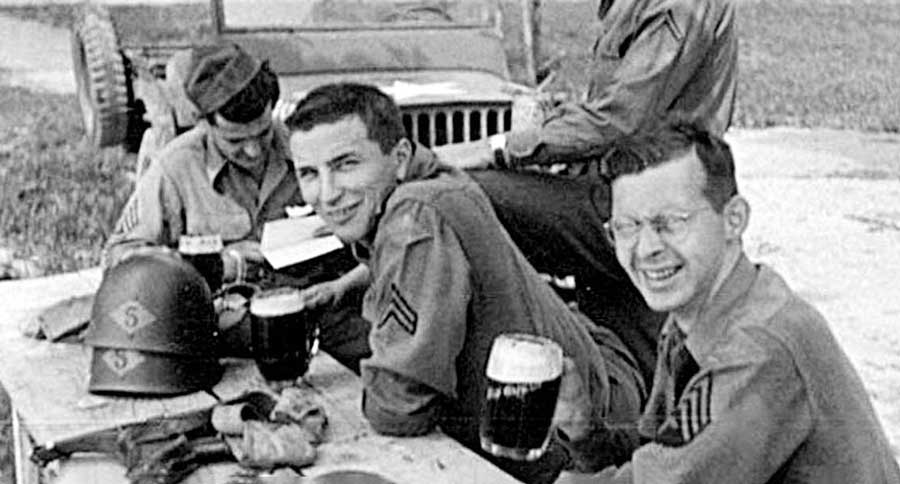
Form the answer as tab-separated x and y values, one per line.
204	253
523	377
284	334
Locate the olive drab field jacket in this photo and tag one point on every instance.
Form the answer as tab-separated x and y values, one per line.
650	58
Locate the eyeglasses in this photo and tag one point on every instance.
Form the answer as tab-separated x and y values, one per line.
669	226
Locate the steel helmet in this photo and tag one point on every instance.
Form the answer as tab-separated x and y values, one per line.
152	329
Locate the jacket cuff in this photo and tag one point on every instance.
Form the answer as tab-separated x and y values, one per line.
397	405
602	448
387	422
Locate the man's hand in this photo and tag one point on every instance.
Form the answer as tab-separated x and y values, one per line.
466	156
328	293
573	407
248	249
332	292
237	256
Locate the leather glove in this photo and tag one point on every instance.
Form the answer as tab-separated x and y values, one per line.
294	407
267	446
170	461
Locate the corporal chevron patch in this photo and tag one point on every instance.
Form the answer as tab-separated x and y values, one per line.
400	312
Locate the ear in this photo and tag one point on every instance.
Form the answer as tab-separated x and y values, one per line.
736	215
402	153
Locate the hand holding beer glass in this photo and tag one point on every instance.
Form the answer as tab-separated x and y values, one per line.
523	379
284	333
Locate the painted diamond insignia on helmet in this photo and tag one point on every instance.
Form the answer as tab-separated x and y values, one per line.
121	362
132	316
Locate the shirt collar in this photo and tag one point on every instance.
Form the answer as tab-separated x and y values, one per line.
279	163
214	161
278	166
714	320
423	165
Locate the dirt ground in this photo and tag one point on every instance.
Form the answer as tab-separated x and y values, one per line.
826	215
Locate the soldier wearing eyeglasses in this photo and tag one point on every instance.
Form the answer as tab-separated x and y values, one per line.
750	386
650	58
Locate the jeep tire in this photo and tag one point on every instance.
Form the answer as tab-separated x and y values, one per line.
100	77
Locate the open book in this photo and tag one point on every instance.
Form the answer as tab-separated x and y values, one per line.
292	240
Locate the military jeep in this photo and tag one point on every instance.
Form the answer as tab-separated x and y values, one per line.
442	60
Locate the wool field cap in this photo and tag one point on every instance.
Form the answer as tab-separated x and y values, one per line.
219	73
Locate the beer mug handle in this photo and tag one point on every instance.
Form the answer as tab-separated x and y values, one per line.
245	289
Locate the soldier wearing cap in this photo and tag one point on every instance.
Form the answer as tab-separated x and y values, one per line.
228	175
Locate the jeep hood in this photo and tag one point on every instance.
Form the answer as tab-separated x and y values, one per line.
419	66
417	88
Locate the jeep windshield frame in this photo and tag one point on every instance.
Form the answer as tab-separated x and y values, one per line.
245	16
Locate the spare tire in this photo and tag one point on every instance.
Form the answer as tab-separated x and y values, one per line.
100	76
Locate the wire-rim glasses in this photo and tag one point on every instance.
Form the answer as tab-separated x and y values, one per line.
671	226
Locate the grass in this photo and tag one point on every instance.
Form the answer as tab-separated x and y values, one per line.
806	63
59	198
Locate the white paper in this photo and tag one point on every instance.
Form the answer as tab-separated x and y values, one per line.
289	241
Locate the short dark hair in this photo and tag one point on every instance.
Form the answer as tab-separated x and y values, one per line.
635	153
332	102
251	101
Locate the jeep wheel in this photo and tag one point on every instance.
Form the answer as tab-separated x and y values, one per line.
102	85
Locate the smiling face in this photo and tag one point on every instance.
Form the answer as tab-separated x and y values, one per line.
244	143
344	175
675	274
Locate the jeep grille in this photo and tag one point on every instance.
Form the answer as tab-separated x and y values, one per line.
436	126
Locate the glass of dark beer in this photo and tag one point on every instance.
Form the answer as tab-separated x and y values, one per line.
204	252
284	334
523	376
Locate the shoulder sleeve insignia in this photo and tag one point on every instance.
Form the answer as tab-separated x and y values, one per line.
694	408
690	416
400	312
129	219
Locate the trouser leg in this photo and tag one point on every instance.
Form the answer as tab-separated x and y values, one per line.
557	222
627	395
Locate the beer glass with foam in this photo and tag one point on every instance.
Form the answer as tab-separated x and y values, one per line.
284	334
523	377
204	252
